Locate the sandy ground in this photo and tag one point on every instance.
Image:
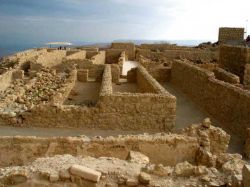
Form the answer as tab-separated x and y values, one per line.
187	113
84	91
125	87
128	65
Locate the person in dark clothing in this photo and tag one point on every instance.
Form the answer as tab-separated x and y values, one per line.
248	41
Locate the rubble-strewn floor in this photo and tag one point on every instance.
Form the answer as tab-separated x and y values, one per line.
84	92
125	87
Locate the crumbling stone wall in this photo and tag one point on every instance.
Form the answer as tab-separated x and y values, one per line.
234	59
75	55
227	34
226	76
163	47
123	111
129	48
113	55
247	76
51	59
90	54
5	80
146	83
226	103
193	55
99	58
171	149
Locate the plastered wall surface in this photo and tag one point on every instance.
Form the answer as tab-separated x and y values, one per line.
226	103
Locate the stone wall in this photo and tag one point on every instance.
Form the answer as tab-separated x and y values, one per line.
194	54
247	76
227	34
90	54
161	74
226	76
113	55
146	83
99	58
163	47
75	55
227	104
129	48
63	92
234	59
124	111
171	149
51	59
5	80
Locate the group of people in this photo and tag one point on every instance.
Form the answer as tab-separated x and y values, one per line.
61	48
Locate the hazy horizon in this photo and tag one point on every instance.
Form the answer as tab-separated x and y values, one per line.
32	23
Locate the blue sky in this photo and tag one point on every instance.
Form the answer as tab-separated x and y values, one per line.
41	21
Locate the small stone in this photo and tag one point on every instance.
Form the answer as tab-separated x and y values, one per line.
206	123
246	175
85	173
144	178
54	177
132	182
64	174
138	157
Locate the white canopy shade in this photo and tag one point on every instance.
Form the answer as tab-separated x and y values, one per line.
58	43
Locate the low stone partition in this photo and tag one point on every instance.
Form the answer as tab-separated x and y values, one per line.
124	111
113	55
75	55
129	48
146	83
226	76
49	59
170	149
193	55
247	76
161	74
5	80
99	58
225	102
63	93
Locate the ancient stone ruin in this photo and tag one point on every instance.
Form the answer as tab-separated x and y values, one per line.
127	115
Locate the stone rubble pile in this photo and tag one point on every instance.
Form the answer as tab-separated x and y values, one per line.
46	85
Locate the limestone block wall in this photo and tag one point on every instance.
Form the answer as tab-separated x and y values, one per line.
163	47
129	48
170	149
63	93
231	34
99	58
51	59
113	55
146	83
124	111
228	104
90	54
226	76
247	76
234	59
5	80
161	74
75	55
194	54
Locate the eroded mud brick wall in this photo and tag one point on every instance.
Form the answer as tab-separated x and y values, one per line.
234	59
226	103
129	48
227	34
